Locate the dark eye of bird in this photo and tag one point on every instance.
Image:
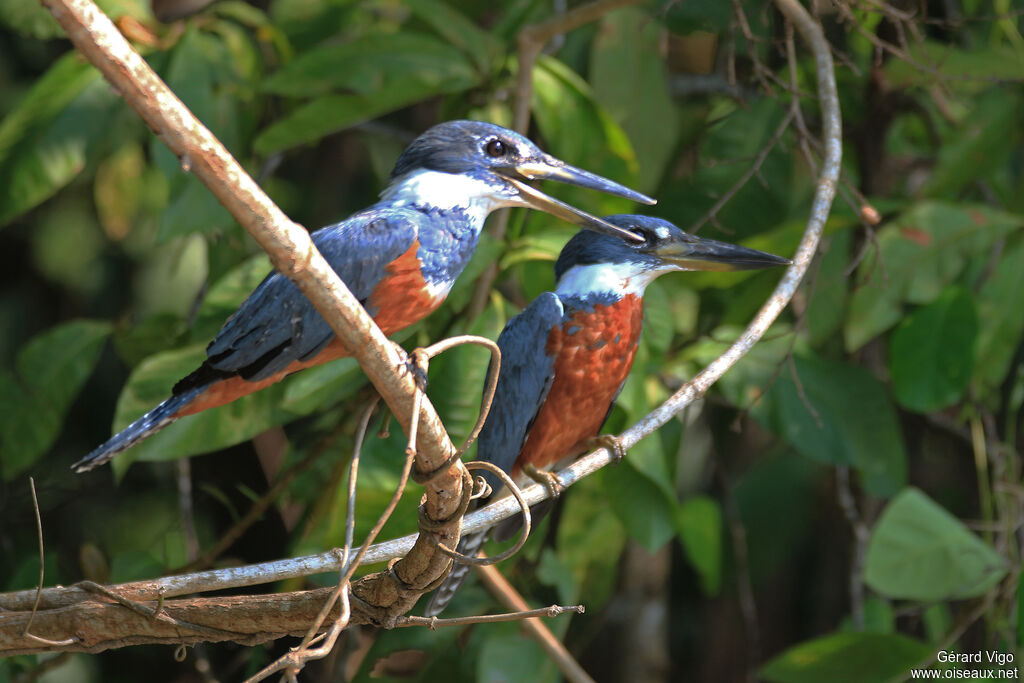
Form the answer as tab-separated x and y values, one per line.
496	148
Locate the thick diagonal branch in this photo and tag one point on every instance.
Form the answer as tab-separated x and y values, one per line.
292	253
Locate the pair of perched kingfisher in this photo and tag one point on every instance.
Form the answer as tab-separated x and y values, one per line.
564	358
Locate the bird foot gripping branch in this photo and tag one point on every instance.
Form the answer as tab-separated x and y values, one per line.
612	443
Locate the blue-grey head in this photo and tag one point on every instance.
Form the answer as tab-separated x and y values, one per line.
501	163
664	248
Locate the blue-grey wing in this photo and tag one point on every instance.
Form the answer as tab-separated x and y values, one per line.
277	325
523	384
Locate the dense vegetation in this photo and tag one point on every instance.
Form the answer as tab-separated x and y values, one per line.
843	505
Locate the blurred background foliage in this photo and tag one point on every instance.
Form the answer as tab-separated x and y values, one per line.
844	503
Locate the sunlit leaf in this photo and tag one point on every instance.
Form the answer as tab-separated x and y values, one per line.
641	506
919	551
631	83
48	138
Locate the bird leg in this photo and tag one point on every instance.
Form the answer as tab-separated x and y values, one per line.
612	443
415	365
545	479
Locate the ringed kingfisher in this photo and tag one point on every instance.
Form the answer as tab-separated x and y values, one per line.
564	359
400	257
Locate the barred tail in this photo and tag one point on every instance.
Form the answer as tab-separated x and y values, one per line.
469	546
150	423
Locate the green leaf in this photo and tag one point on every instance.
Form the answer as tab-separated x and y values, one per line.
847	657
919	551
202	72
50	371
641	506
998	337
47	139
459	31
827	308
699	525
839	414
983	143
919	255
578	130
383	73
211	430
631	83
514	658
932	352
458	376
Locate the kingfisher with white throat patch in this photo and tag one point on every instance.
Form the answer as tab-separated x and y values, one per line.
400	257
565	358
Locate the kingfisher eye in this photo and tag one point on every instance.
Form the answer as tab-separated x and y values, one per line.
496	148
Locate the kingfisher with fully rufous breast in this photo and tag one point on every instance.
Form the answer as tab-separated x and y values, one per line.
400	257
565	358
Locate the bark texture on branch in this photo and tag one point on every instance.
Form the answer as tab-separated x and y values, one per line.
293	254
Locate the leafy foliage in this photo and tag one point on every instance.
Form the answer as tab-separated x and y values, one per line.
900	361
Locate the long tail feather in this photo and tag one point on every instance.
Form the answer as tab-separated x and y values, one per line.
470	546
150	423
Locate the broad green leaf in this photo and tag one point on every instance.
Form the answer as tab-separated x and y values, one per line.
203	73
211	430
848	657
457	377
932	352
577	130
514	658
47	139
631	83
699	525
838	414
371	65
50	371
641	506
919	551
33	20
590	540
983	142
457	30
746	382
919	254
1003	324
394	72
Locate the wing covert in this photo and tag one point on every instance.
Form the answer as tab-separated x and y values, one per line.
277	325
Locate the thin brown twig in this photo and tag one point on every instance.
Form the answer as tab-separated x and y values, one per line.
42	575
536	628
294	661
754	167
434	622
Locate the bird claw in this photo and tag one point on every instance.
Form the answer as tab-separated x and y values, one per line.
546	479
613	444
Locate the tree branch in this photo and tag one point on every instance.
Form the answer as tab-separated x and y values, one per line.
293	254
291	248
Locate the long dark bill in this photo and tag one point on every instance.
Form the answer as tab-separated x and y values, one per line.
700	253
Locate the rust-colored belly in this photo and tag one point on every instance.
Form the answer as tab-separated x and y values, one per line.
593	353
